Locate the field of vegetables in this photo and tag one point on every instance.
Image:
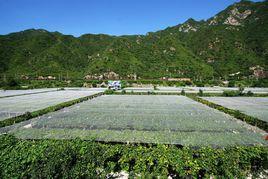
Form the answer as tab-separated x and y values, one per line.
252	106
141	119
17	105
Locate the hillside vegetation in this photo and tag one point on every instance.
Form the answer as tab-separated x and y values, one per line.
232	43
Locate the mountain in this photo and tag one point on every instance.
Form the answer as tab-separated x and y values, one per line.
235	41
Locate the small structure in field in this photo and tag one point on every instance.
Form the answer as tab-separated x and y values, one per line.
114	85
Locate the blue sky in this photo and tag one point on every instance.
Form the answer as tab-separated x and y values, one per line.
115	17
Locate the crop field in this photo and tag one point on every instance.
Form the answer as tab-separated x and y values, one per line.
252	106
194	89
141	119
5	93
17	105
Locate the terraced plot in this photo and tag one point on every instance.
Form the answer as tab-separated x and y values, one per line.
146	119
253	106
17	105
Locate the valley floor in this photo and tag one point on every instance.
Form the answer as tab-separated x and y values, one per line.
161	122
168	119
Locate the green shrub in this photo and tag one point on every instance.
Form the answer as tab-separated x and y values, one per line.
231	93
12	82
94	83
200	93
249	93
231	83
150	93
183	92
109	91
199	84
124	84
180	83
123	91
188	83
87	159
241	90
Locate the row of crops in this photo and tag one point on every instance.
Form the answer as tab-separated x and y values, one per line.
141	119
88	159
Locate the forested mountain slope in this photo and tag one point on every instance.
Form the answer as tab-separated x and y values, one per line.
233	42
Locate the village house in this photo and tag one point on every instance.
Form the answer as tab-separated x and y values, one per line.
176	79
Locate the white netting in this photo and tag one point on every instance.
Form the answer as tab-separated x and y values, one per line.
11	106
140	118
253	106
4	93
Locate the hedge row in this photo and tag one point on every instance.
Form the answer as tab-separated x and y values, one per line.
235	113
29	115
88	159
